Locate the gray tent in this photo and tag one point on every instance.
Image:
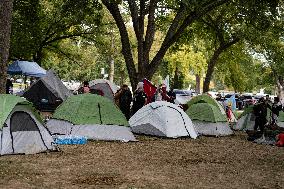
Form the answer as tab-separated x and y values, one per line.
21	130
47	92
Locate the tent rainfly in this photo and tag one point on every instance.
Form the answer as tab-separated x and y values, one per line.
162	119
47	92
103	87
92	116
208	116
22	131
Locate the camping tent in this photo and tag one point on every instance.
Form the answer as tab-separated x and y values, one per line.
104	87
22	131
246	120
164	119
90	115
26	68
210	100
281	119
207	99
47	92
208	119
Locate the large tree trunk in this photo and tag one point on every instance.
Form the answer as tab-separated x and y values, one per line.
210	69
6	7
198	82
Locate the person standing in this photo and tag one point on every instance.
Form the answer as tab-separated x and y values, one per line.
275	108
139	98
172	95
124	97
164	93
85	88
9	86
260	112
158	95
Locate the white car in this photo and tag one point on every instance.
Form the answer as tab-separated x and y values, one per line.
182	96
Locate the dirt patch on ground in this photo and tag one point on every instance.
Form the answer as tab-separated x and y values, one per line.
207	162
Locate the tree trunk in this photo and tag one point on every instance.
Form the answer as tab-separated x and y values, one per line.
111	70
210	69
6	7
198	81
213	61
182	20
280	89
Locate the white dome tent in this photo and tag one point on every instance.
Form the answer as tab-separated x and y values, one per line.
162	119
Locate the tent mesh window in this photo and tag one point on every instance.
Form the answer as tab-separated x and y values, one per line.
22	121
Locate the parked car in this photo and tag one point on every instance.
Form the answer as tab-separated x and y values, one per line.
247	100
182	96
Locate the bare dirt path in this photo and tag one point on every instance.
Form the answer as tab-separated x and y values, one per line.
208	162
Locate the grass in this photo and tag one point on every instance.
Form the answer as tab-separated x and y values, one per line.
207	162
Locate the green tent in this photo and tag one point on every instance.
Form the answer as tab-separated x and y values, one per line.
208	116
205	112
206	99
90	115
90	109
7	104
21	128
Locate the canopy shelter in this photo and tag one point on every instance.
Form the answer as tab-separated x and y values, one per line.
26	68
90	115
163	119
21	129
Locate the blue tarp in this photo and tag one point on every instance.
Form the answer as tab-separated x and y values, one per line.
26	68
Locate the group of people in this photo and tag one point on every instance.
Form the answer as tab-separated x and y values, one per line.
123	98
260	112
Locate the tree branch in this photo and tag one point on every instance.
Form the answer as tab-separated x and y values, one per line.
134	15
174	31
66	37
140	38
126	48
150	32
58	50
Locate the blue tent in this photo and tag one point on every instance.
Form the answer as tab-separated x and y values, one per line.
26	68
